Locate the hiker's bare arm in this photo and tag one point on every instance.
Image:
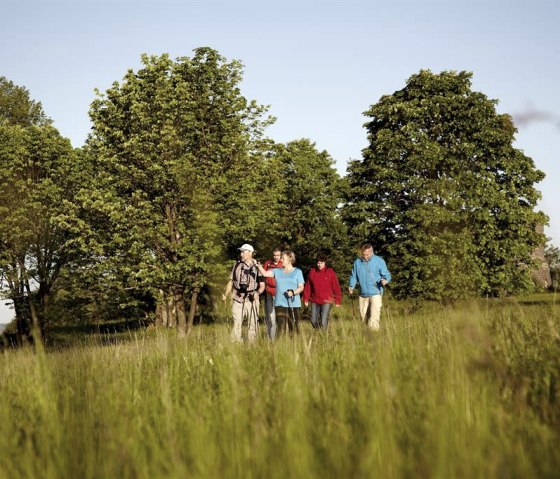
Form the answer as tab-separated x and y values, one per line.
264	272
228	290
298	290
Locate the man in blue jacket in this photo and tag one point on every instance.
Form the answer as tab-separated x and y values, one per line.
371	273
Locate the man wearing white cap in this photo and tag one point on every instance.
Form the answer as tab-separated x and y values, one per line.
246	284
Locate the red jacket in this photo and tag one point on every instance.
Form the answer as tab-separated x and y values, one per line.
271	282
322	287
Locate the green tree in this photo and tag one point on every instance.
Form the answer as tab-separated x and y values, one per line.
250	200
37	174
37	169
443	193
312	193
171	144
18	108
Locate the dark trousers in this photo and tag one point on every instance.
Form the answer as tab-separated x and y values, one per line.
287	320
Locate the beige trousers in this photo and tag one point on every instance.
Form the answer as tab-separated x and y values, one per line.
371	305
247	310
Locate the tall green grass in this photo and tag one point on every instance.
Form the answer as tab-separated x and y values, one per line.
464	391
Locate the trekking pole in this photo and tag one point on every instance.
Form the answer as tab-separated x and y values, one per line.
226	308
295	325
255	316
293	317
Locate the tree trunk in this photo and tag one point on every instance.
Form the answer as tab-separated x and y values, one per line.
44	295
161	310
171	312
21	323
180	307
36	330
176	296
192	309
159	315
17	295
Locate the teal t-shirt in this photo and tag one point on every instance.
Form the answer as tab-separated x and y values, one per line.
284	282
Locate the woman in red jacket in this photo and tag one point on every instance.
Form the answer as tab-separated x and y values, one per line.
322	290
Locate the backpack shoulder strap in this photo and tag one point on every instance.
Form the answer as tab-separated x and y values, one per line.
234	275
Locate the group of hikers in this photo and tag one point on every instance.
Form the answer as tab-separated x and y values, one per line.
283	286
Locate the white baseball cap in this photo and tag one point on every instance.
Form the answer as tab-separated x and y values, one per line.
246	247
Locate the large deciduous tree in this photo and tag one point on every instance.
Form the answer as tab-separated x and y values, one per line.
172	143
38	173
443	193
312	193
36	177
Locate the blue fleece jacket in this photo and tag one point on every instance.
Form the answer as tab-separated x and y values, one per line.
369	275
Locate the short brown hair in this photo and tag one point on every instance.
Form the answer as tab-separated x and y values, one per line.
322	257
365	246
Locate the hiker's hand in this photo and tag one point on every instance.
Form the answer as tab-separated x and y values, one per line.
306	303
350	291
383	282
337	305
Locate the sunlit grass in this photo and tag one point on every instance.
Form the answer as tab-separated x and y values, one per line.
463	391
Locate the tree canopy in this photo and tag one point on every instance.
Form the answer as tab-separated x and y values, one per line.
18	108
313	192
178	172
37	169
443	193
172	142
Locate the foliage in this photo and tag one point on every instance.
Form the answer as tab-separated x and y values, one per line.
17	107
38	172
442	192
313	192
250	199
168	143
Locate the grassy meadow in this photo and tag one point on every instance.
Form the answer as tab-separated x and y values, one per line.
469	390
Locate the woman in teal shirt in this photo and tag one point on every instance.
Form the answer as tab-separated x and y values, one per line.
289	285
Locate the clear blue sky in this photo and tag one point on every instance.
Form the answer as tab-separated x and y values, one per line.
319	64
